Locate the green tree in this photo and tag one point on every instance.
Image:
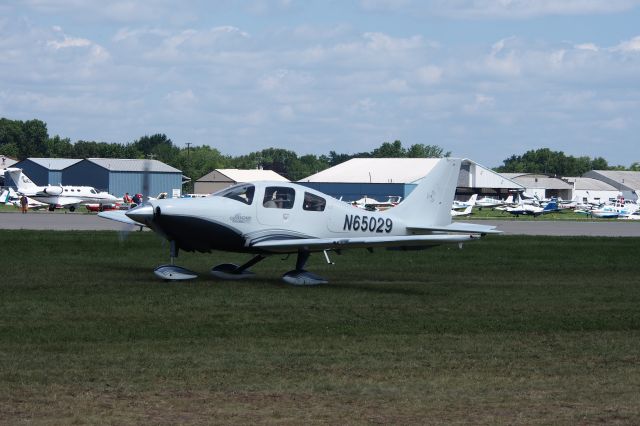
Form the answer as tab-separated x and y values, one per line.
35	139
426	151
551	162
11	137
60	148
390	150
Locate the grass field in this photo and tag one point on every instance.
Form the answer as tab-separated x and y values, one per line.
509	330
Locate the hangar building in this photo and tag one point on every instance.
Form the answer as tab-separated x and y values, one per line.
543	186
223	178
628	183
118	176
45	171
586	190
380	178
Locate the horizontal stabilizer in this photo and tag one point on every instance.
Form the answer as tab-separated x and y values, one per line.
461	227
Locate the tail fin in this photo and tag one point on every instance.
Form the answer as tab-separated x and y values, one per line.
23	184
429	204
473	199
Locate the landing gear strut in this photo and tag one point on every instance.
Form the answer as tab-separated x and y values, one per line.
301	277
230	271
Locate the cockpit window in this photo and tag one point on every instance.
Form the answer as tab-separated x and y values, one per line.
242	193
279	197
313	202
93	191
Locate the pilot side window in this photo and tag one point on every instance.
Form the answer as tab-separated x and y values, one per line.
279	197
242	193
313	202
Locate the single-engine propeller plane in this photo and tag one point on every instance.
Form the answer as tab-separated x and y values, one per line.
265	218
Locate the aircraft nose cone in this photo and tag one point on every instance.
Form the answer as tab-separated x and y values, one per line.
141	214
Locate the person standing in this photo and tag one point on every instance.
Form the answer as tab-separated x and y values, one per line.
24	204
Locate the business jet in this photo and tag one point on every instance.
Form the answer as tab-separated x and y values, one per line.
64	196
266	218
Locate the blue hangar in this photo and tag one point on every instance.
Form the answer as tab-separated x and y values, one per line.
113	175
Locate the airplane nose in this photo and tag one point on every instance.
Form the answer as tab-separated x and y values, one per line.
141	214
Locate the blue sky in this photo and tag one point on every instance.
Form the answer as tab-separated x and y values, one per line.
484	79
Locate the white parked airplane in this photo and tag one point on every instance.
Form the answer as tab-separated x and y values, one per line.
488	202
529	209
462	205
64	196
265	218
459	213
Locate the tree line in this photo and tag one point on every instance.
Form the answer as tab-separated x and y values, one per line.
24	139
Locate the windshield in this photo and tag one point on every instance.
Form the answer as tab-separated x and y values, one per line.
243	193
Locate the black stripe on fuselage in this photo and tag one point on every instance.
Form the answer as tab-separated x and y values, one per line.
197	234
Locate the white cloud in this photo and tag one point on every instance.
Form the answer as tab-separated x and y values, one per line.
632	45
181	99
587	46
429	74
524	9
481	103
69	42
617	123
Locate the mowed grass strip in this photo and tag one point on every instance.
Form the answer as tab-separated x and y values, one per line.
518	330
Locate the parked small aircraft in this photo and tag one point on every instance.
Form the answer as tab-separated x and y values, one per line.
265	218
488	202
63	196
529	209
462	205
460	213
371	204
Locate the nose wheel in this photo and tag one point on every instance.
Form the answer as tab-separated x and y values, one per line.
173	272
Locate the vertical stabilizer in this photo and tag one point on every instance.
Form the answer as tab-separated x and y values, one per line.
23	184
429	204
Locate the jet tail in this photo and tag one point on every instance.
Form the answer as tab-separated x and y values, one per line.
23	184
429	204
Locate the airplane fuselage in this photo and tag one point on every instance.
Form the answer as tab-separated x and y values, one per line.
224	222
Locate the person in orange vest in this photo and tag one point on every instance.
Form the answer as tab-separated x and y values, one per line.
24	204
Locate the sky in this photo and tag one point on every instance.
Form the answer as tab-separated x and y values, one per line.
484	79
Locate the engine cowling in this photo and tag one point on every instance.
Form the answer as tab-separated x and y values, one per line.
53	190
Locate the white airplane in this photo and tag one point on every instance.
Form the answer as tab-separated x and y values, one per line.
488	202
460	213
462	205
529	209
265	218
371	204
64	196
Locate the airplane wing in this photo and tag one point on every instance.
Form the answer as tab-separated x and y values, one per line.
361	242
68	201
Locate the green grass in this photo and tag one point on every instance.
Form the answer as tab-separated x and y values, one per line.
517	330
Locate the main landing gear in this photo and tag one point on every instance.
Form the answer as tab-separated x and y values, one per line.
230	271
301	277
